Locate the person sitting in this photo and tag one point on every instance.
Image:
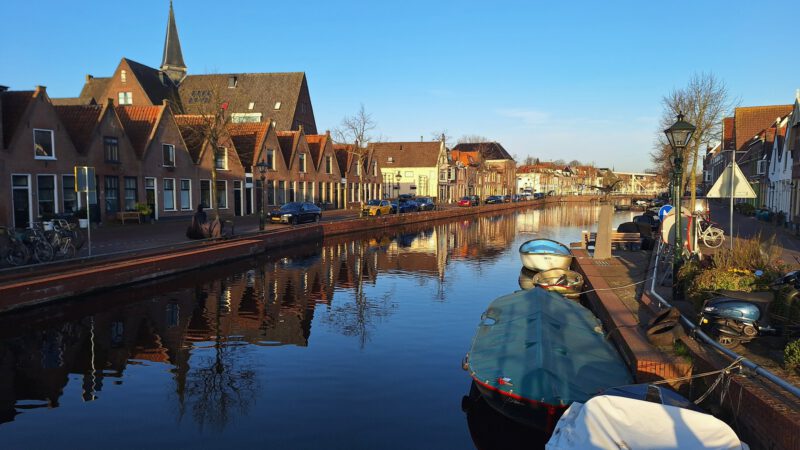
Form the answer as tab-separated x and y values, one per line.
199	227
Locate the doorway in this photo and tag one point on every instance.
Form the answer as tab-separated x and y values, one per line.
21	197
237	198
151	196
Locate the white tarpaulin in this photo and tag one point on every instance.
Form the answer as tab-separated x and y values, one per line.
722	188
610	422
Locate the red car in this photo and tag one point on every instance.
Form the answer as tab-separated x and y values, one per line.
465	201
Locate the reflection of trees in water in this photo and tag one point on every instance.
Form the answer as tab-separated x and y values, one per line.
222	384
361	315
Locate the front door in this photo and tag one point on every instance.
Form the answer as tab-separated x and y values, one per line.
237	198
150	195
21	197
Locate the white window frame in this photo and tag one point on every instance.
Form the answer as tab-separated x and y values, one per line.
164	190
277	106
155	196
303	162
761	168
123	76
180	190
125	98
707	176
329	164
210	204
56	208
253	117
374	168
224	151
78	197
226	193
172	155
52	144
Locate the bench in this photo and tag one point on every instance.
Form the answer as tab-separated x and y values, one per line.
122	216
617	239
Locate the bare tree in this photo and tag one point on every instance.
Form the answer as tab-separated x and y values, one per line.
441	136
704	102
575	163
529	160
473	139
355	131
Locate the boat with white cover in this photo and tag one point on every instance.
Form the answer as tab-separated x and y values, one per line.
545	254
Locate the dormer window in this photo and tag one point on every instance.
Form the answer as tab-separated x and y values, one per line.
232	82
123	76
43	144
251	105
391	160
277	106
168	151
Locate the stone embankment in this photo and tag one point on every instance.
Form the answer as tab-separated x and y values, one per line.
40	284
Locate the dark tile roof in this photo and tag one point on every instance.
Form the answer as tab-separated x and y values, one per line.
156	84
72	101
248	139
489	150
406	154
14	105
264	90
728	142
139	122
751	120
80	121
94	89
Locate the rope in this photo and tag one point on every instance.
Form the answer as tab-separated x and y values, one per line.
723	377
617	287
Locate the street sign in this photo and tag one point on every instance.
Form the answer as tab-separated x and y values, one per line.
664	211
85	180
741	187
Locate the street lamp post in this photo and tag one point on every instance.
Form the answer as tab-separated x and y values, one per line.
398	177
678	136
262	169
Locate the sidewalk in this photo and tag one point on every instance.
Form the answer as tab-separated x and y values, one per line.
116	237
748	227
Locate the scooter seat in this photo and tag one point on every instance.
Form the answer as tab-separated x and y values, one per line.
756	297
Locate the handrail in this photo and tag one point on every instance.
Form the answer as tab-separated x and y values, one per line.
698	333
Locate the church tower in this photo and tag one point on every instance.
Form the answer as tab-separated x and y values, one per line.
172	62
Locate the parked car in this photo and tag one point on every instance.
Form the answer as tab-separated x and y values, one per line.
377	208
507	198
426	204
476	200
465	201
406	206
493	199
404	197
296	212
538	195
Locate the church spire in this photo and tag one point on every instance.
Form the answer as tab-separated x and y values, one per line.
172	62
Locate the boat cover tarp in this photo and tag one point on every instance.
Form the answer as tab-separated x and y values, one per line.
608	421
543	347
545	246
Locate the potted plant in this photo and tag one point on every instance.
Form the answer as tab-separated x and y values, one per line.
144	211
80	214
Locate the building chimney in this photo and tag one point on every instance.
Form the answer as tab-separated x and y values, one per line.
422	138
89	78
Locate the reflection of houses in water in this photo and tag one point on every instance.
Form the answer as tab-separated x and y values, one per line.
554	216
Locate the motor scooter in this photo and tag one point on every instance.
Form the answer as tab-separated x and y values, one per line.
735	317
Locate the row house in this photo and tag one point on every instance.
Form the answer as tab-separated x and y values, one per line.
779	171
498	175
362	177
792	146
415	168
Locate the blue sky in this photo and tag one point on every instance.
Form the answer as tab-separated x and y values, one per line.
571	80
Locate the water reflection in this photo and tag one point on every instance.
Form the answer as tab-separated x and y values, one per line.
210	330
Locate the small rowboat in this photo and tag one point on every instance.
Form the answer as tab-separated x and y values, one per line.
565	282
545	254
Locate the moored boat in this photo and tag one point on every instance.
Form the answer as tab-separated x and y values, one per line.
609	421
536	352
545	254
565	282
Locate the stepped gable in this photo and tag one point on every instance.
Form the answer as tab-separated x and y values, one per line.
489	150
750	121
187	124
139	122
248	138
79	121
14	105
264	90
407	154
287	141
94	89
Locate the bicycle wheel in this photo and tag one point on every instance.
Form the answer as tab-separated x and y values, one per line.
713	237
67	250
18	254
42	251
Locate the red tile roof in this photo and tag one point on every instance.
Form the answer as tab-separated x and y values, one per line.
407	154
14	105
466	158
316	144
80	121
248	138
188	124
749	121
139	122
727	133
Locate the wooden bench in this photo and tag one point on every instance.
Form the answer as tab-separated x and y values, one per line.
122	216
617	239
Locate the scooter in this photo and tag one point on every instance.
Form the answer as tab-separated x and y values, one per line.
736	317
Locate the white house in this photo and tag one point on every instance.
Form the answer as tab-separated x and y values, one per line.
780	172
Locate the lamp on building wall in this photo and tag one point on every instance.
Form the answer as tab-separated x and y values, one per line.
678	136
262	170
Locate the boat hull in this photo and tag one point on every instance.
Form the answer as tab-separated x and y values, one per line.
530	413
565	282
545	254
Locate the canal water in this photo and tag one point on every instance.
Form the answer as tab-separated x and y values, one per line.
351	343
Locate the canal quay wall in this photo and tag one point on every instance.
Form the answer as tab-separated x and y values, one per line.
763	415
35	285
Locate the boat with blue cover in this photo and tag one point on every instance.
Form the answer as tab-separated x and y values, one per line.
545	254
536	352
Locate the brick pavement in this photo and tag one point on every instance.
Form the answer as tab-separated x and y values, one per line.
748	226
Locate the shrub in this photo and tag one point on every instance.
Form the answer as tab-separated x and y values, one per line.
791	355
745	208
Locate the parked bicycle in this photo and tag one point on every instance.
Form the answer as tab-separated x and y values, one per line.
712	235
38	243
61	239
12	250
